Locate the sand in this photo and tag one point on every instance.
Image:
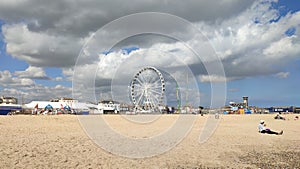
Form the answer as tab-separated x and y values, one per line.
58	141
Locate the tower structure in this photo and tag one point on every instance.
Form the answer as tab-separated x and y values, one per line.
245	98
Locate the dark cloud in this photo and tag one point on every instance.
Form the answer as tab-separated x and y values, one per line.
53	32
80	17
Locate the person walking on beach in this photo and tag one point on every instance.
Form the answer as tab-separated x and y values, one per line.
262	129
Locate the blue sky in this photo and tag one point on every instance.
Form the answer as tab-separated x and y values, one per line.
38	50
269	90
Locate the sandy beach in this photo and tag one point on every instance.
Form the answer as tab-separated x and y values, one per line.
59	141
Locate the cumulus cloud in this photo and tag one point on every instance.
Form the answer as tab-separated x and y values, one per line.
20	84
80	16
32	73
39	92
283	48
52	33
7	80
253	44
40	49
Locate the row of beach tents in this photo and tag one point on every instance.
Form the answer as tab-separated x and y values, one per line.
58	105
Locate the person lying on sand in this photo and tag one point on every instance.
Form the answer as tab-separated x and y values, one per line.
278	116
262	129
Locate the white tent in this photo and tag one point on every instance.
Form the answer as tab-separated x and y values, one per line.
59	105
43	104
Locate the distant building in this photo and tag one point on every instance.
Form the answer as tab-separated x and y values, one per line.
226	109
125	107
243	104
108	107
281	109
245	99
8	100
297	110
69	101
9	105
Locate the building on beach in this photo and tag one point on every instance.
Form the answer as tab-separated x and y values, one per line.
237	108
108	107
281	109
243	104
296	109
9	105
8	100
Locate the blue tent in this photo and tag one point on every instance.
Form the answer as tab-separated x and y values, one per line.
247	111
67	107
48	107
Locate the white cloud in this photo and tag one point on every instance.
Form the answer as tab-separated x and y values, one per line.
23	86
213	78
38	92
251	44
48	34
32	73
282	75
40	49
7	80
284	48
58	79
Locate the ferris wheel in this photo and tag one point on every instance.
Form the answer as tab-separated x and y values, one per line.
147	90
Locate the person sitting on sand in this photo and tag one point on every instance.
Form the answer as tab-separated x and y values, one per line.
278	116
262	129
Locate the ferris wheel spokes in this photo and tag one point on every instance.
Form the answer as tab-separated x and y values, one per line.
147	89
